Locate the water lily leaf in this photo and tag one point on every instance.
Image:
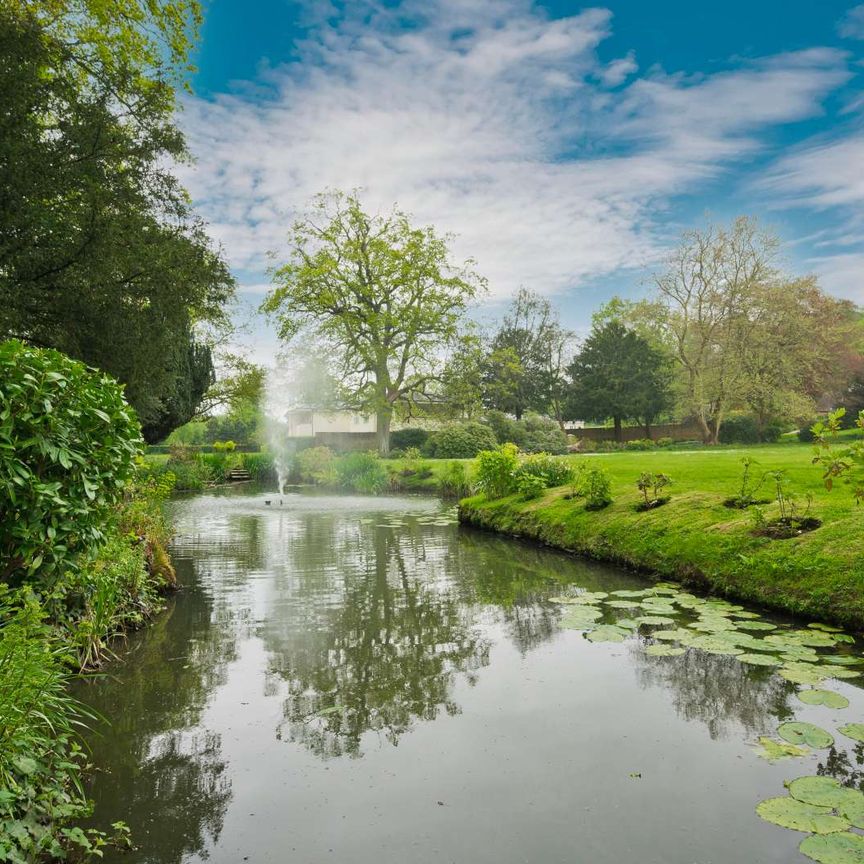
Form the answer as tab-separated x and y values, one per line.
773	750
814	639
759	659
828	698
790	813
841	848
629	623
713	625
712	645
655	620
843	638
623	604
658	608
796	732
800	673
580	617
643	593
679	635
824	791
666	588
608	633
661	650
855	731
827	628
840	673
756	625
842	659
745	614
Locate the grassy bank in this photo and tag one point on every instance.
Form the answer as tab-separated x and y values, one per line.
694	538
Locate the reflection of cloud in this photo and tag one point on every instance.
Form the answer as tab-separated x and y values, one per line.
491	121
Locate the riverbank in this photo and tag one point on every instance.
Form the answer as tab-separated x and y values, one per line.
697	540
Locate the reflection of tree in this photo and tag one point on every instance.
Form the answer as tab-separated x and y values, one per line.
381	653
838	764
718	691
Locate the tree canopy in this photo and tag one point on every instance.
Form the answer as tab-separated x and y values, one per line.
380	295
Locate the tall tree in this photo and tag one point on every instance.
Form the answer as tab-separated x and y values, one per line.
617	374
381	294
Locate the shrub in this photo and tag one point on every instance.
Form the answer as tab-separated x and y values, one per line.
506	429
551	470
461	441
362	472
454	481
650	486
805	433
314	465
402	439
496	470
609	446
665	442
640	444
542	435
260	466
530	485
190	474
68	443
596	488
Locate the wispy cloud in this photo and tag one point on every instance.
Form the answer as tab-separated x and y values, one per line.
851	25
493	122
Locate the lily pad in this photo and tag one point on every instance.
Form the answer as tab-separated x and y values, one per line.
827	628
712	645
679	635
840	848
828	698
623	604
790	813
826	792
843	638
796	732
587	599
773	750
840	673
580	617
755	625
608	633
842	659
643	593
855	731
661	650
655	620
629	623
800	673
759	659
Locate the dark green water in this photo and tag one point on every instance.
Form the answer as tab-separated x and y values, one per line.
352	680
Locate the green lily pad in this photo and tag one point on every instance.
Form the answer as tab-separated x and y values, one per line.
800	673
629	623
655	620
790	813
841	848
661	650
712	645
643	593
813	639
718	625
842	659
840	673
759	659
679	635
580	617
826	792
587	599
828	698
773	750
755	625
827	628
658	608
843	638
855	731
813	736
623	604
608	633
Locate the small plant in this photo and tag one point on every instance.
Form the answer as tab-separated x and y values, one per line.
530	485
496	470
552	470
596	488
845	462
314	465
454	481
650	485
750	485
792	521
362	472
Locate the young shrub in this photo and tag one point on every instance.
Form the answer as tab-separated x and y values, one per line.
640	444
650	485
191	472
542	435
792	521
362	472
596	488
750	485
551	470
68	443
496	471
461	441
530	485
506	429
454	481
315	465
665	442
404	439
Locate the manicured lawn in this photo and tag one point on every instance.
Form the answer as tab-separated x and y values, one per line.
696	539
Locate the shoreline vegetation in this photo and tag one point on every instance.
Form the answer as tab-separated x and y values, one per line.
696	537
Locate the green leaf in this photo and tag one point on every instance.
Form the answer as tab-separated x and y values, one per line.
824	791
758	660
840	848
661	650
773	750
855	731
790	813
796	732
828	698
608	633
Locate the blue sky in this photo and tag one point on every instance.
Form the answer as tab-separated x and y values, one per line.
566	146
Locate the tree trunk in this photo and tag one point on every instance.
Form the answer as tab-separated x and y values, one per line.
648	429
715	428
382	429
704	428
619	434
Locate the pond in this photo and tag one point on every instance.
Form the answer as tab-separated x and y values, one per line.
348	679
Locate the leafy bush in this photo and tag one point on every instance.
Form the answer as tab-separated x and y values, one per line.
609	446
461	441
191	473
595	488
454	481
551	470
542	435
315	465
665	442
530	485
650	486
805	433
506	429
743	429
362	472
640	444
68	443
402	439
260	466
496	470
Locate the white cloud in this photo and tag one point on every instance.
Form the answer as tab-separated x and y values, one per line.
851	25
488	121
618	71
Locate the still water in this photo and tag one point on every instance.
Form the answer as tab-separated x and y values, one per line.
361	680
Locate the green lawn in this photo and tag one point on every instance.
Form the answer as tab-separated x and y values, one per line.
696	539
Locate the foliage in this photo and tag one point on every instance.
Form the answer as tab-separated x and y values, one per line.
410	436
103	257
380	294
530	485
617	374
595	488
551	470
749	485
496	470
640	444
745	429
454	481
362	472
191	471
315	465
68	441
533	433
846	462
650	485
460	441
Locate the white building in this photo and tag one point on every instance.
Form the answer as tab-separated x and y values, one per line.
308	423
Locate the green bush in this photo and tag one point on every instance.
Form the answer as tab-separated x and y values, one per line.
551	470
403	439
609	446
805	433
460	441
454	481
191	474
665	442
68	442
260	467
530	485
496	470
362	472
315	465
595	488
506	429
542	435
640	444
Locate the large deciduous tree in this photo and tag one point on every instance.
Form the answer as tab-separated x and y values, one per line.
618	374
382	295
